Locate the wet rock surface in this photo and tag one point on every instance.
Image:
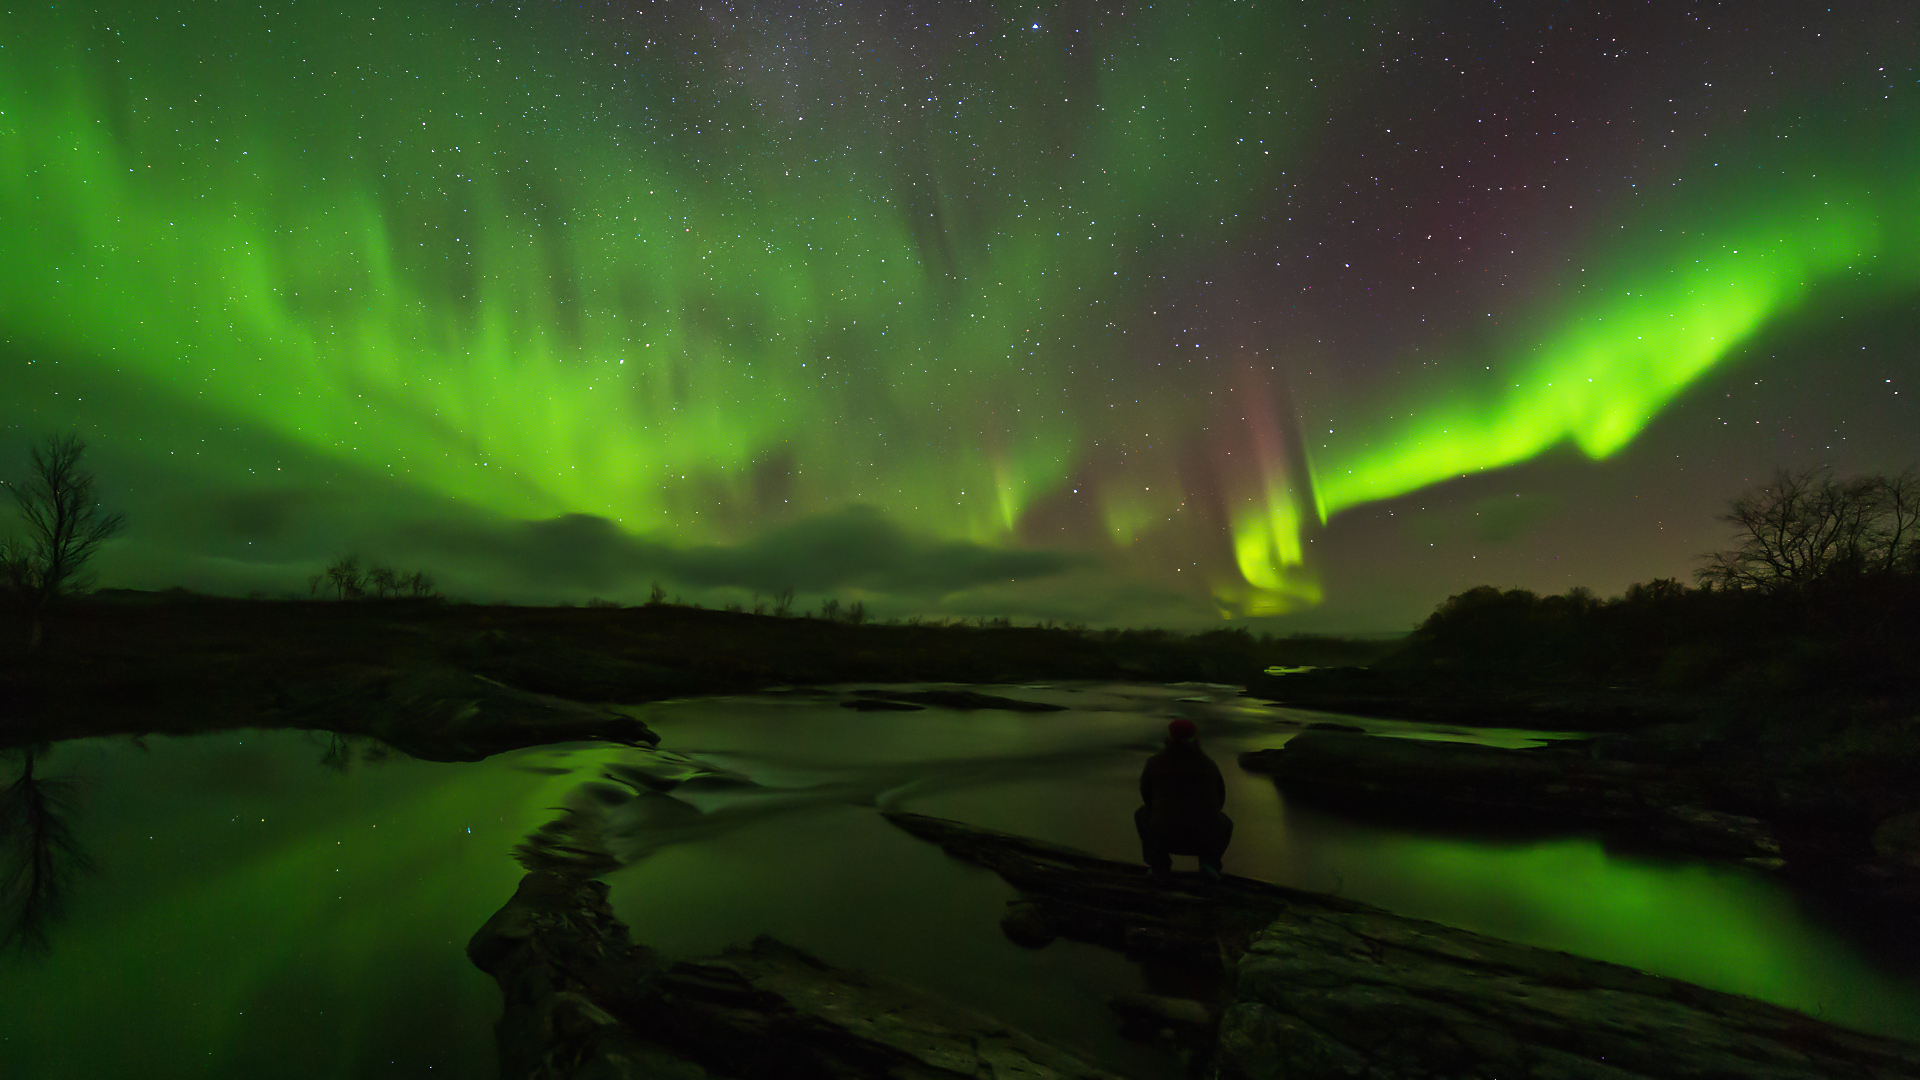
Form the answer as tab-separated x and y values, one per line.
1325	988
963	700
1291	984
442	714
1367	994
878	705
1478	702
581	1000
1647	802
1819	830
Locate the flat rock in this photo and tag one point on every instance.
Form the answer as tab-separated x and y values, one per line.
1664	805
1345	994
444	714
1326	988
964	700
581	1001
866	704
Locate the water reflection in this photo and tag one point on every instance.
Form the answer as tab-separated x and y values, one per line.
40	855
1071	778
255	915
339	752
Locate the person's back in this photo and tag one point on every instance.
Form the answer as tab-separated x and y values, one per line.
1184	795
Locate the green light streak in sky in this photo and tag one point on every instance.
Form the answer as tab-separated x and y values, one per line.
543	324
449	253
1603	369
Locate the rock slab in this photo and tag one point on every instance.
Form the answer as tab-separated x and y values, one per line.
1653	803
582	1001
1332	989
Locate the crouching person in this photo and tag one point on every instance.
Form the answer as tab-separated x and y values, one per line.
1184	794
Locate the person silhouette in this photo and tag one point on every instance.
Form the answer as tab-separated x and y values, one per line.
1184	794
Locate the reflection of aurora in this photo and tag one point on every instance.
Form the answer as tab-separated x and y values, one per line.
702	280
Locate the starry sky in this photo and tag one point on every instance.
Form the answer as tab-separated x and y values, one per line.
1298	315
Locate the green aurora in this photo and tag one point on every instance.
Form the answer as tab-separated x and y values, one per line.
706	281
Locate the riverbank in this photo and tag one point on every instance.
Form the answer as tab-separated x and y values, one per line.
1838	817
1276	982
455	682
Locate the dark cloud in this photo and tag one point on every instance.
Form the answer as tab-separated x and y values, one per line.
855	548
266	514
860	548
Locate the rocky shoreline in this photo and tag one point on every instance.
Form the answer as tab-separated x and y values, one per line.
1294	985
1441	698
1840	831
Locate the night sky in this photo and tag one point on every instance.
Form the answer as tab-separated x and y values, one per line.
1301	315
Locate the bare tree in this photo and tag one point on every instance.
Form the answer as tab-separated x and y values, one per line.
65	525
419	585
346	577
383	581
1895	538
1804	526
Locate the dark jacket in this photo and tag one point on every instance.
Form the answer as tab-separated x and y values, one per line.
1182	788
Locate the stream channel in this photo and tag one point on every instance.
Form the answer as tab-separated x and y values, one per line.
254	911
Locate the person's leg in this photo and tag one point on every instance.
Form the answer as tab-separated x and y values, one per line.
1217	840
1153	850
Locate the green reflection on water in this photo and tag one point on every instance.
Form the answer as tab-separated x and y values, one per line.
1722	926
256	914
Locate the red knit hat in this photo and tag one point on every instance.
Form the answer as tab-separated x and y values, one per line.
1181	729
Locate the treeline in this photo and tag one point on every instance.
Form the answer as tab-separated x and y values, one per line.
345	578
1820	593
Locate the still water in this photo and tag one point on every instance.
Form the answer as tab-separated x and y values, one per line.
254	913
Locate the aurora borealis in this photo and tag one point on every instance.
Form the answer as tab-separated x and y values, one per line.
1122	313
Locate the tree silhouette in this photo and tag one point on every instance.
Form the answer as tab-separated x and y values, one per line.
1803	527
346	578
419	585
383	581
64	527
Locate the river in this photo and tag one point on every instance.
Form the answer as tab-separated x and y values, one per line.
254	912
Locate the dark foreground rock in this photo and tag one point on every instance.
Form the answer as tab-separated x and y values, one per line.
1839	831
1298	986
442	714
1328	988
877	705
964	700
1451	698
582	1001
1667	806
